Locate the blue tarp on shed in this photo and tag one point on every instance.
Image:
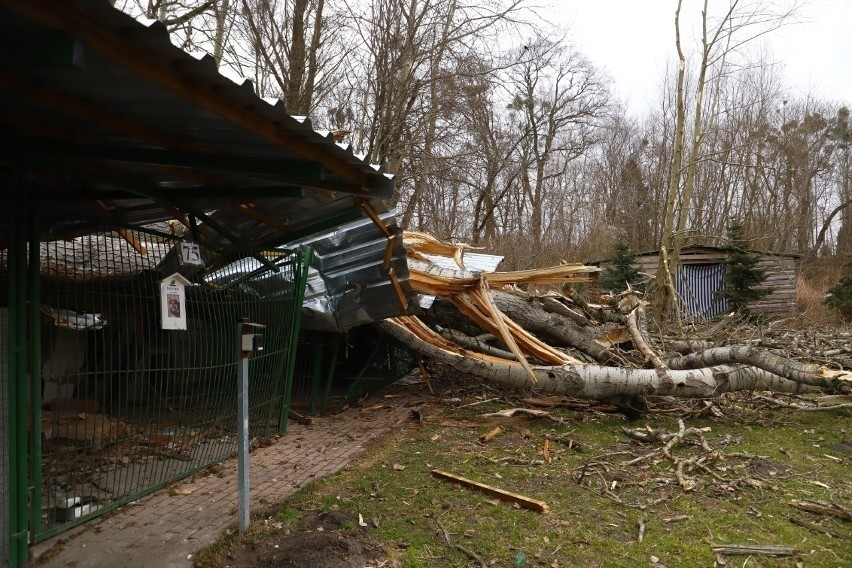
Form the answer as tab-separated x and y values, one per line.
696	286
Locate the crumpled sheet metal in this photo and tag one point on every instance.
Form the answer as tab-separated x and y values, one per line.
347	282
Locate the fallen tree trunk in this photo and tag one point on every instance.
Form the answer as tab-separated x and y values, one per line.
543	329
555	328
592	381
814	375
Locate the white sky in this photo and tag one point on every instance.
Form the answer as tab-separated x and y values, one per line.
633	39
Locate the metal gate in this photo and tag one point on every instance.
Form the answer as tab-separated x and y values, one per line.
119	406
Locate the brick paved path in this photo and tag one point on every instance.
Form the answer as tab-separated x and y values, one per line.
163	530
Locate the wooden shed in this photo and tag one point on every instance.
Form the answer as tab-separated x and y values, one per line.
701	274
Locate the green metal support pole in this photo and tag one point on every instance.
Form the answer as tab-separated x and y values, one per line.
338	340
18	407
34	288
317	371
306	258
353	389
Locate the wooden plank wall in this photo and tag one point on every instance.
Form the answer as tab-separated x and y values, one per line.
781	274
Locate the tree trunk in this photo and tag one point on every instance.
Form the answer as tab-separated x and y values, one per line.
552	327
813	375
594	381
665	293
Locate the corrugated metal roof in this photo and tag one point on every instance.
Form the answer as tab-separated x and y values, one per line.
347	283
107	124
100	106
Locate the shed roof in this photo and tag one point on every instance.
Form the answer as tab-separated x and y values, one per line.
698	249
106	124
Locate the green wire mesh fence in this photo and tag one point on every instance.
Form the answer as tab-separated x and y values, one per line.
127	406
336	369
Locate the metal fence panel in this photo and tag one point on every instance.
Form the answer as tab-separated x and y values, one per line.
127	406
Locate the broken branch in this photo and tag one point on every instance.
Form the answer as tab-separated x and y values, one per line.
525	502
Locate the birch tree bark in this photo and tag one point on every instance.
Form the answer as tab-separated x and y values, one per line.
595	381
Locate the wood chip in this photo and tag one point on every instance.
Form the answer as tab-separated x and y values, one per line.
485	438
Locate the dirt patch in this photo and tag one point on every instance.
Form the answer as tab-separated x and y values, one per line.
328	540
767	469
842	446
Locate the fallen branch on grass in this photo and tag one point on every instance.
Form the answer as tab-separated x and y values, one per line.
515	412
471	554
819	529
525	502
682	465
806	408
823	508
748	550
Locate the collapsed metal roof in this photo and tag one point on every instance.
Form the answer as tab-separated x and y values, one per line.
107	125
347	284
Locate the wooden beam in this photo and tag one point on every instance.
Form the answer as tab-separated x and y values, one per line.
403	300
249	209
125	234
525	502
374	217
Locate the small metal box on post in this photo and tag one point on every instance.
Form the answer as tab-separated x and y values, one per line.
249	342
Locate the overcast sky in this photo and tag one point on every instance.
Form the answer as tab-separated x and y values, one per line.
633	39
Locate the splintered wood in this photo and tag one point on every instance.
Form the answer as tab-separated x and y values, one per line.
525	502
485	438
469	292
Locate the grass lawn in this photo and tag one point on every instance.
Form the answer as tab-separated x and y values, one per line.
603	512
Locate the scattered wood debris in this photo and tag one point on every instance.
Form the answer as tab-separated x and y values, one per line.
823	508
819	529
525	502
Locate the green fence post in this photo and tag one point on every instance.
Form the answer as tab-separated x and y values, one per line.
18	408
305	259
35	375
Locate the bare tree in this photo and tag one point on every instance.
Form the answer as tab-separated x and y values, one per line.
720	42
558	96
